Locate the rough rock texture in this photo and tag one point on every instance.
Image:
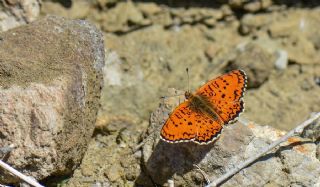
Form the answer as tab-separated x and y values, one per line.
276	42
50	82
300	91
313	131
256	62
15	13
297	34
294	163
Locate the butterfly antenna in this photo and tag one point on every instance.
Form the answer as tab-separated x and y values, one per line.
187	70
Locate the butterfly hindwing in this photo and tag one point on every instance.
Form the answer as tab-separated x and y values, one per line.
186	124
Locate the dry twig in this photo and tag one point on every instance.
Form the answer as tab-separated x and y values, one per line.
205	176
235	170
1	185
170	183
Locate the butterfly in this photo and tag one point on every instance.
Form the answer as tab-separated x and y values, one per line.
201	117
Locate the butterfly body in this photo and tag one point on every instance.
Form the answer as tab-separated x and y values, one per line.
202	116
201	104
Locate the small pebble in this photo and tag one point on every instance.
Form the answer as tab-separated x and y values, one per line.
281	62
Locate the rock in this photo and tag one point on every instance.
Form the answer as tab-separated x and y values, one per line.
55	8
115	20
101	162
253	6
211	51
250	6
238	142
285	99
256	62
15	13
206	16
296	34
50	81
149	9
113	173
300	50
281	62
312	131
251	23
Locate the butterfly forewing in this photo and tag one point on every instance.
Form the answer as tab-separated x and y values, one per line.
225	94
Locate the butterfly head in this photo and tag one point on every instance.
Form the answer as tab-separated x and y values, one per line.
188	94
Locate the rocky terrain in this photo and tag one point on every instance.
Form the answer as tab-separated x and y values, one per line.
148	46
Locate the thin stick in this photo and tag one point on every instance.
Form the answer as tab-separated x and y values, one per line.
235	170
1	185
20	175
140	145
205	176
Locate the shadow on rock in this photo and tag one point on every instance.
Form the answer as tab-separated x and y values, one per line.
168	159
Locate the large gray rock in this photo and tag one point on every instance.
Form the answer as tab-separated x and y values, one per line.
50	82
294	163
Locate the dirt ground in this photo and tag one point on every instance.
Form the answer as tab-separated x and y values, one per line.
149	44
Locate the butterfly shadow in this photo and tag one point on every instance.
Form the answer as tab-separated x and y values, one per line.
168	159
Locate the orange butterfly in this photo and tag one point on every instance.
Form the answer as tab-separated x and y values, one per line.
202	116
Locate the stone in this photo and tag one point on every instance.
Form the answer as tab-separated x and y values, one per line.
101	162
116	20
251	23
256	62
312	131
281	62
296	34
253	6
50	82
16	13
54	8
211	51
113	173
278	103
249	6
293	162
149	8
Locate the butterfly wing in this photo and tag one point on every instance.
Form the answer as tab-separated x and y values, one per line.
186	124
225	94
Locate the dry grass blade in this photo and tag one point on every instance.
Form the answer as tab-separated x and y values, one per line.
20	175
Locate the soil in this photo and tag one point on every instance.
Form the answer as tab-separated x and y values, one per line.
149	45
